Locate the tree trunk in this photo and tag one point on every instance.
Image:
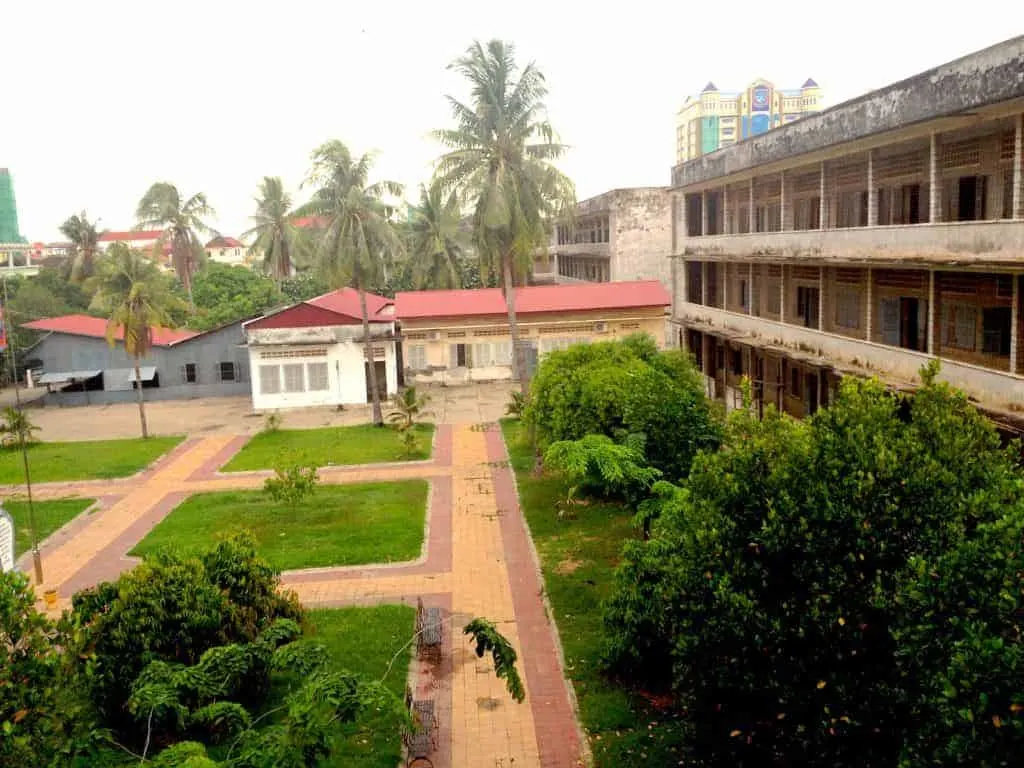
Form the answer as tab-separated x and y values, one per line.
519	372
142	407
371	367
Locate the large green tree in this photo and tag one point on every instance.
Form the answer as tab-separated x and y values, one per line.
501	163
841	591
358	240
224	294
437	241
276	238
84	238
136	297
182	220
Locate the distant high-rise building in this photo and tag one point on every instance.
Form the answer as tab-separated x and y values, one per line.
9	232
714	119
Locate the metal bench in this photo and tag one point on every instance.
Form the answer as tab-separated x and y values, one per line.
420	742
429	629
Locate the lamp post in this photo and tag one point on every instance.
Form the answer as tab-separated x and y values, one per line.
37	559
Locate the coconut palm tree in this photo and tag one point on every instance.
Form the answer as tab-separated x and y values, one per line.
500	161
276	238
84	237
162	207
357	240
437	242
136	297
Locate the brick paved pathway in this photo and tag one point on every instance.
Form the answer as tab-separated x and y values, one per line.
478	561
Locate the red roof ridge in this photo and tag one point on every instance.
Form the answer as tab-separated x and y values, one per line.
131	234
96	327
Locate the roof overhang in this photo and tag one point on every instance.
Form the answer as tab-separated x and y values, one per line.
64	377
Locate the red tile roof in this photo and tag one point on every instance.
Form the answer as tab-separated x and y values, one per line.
96	327
310	221
115	237
223	241
576	297
339	307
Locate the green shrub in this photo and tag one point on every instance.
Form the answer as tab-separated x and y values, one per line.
597	465
843	591
170	609
621	389
292	483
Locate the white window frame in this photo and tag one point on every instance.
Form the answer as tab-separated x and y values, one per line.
270	384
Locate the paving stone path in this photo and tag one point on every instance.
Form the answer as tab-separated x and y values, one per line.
478	560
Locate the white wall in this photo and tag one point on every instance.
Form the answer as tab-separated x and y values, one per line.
346	375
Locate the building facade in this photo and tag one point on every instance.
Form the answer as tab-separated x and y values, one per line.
714	119
866	240
227	250
76	364
452	337
624	234
312	353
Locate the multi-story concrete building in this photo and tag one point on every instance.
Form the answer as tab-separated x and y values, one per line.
713	119
624	234
868	239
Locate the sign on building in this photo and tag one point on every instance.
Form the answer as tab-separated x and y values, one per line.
6	541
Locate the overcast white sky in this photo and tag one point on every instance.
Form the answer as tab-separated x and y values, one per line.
102	98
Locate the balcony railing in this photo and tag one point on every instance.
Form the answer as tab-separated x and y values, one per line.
988	242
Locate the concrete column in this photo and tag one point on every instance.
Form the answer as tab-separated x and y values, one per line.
934	182
704	212
782	293
785	205
751	213
725	210
725	284
1018	168
821	298
931	311
704	283
1014	318
871	306
10	259
750	288
822	208
872	192
682	219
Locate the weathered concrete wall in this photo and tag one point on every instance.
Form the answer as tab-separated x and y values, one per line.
990	387
989	76
641	235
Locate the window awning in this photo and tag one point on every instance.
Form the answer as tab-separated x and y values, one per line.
64	377
124	378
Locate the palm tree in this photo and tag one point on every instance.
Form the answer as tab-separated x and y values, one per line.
409	406
500	163
84	239
136	297
436	240
162	207
276	236
357	240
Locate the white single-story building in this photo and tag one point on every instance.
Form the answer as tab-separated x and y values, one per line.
311	353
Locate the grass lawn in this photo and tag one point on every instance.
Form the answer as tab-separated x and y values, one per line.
336	525
360	444
578	558
50	515
87	460
364	640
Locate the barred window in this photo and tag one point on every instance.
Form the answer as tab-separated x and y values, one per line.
416	357
270	379
848	308
316	376
294	381
960	323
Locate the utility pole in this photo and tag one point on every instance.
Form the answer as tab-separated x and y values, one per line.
37	559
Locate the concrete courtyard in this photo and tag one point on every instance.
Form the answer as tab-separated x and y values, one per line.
466	404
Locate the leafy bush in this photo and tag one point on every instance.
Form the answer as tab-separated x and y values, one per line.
621	389
516	404
169	609
292	483
409	407
272	422
597	464
844	591
17	427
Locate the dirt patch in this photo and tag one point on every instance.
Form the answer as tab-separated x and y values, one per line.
567	566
